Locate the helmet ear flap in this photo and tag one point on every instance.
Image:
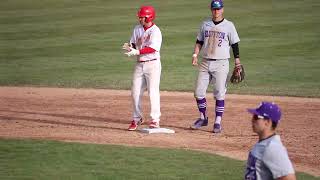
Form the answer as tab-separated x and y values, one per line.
149	19
148	12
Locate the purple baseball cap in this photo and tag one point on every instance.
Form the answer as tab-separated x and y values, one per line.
216	4
267	110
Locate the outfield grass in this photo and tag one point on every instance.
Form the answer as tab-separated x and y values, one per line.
34	159
65	43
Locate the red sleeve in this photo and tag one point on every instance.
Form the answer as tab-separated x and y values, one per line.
147	50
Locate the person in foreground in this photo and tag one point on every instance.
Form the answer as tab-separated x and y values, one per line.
268	159
145	44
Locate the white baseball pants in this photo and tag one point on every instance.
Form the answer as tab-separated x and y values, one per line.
215	72
146	76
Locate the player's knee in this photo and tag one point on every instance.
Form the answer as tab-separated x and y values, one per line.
219	94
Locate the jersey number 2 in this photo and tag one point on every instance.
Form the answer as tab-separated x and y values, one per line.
220	41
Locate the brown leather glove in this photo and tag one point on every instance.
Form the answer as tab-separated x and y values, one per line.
238	74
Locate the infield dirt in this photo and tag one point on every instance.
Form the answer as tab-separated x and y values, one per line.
102	116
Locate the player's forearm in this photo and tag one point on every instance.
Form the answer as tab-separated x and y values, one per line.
147	50
235	50
236	54
197	48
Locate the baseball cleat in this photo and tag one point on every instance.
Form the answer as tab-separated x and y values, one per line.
217	128
154	124
199	123
134	125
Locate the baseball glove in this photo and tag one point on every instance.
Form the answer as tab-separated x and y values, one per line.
237	74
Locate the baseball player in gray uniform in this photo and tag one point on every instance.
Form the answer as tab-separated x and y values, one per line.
268	159
214	39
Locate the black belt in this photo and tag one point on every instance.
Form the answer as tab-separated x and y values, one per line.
148	60
211	59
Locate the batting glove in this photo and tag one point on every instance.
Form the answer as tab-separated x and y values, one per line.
132	52
126	46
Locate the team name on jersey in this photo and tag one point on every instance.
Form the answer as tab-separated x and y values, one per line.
251	168
216	34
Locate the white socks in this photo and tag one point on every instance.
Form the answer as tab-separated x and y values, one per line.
218	120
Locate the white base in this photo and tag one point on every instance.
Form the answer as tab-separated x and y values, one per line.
157	130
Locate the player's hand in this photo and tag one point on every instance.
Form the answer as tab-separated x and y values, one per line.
126	46
132	52
237	62
194	61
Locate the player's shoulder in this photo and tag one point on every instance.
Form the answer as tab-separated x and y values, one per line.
228	22
275	151
155	29
274	143
154	26
207	21
138	27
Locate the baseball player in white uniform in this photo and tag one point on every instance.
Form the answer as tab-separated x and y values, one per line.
214	39
268	159
145	43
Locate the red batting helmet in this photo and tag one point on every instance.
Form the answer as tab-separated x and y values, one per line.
148	12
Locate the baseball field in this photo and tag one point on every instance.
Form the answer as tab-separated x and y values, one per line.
65	103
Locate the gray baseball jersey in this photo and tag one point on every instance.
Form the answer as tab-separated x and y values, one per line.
217	39
268	160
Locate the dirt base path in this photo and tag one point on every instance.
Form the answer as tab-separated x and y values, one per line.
102	116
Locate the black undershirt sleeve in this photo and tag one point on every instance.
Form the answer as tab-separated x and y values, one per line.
199	42
133	45
235	49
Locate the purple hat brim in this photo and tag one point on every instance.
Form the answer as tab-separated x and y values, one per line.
254	111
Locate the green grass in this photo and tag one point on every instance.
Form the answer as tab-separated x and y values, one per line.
69	43
34	159
63	43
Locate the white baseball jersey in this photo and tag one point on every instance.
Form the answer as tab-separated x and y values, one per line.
150	38
217	39
268	160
